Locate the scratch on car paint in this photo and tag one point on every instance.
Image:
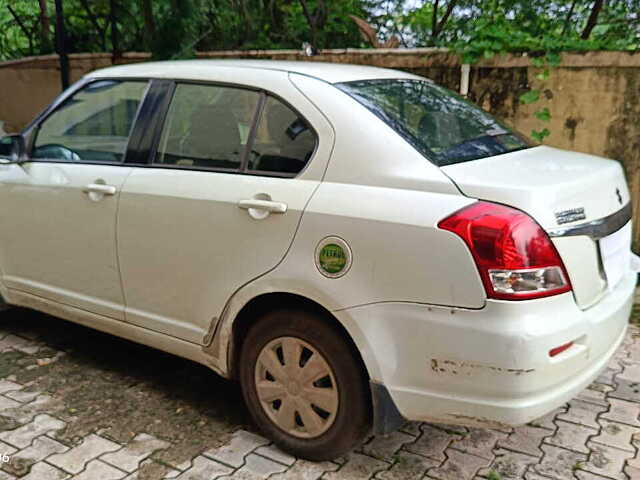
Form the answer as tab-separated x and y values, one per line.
452	367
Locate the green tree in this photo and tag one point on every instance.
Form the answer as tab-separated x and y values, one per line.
177	28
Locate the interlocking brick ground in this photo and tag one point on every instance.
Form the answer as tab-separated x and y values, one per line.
595	436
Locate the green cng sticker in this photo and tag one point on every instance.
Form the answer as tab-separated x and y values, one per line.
332	258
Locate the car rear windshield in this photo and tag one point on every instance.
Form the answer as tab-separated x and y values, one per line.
441	125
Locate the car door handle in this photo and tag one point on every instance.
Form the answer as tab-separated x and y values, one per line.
265	205
100	188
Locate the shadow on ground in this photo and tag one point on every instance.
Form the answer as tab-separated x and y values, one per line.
118	388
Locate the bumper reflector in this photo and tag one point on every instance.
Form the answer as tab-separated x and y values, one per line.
558	350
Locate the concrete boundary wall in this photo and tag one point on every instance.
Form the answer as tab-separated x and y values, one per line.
594	97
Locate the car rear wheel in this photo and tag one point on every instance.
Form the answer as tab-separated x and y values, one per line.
303	385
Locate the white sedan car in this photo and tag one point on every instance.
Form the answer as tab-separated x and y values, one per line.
356	246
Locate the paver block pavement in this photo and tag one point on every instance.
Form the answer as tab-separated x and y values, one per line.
632	473
358	467
204	469
479	442
13	342
44	471
129	457
548	420
617	435
7	404
384	447
432	443
274	453
559	463
583	413
411	428
22	396
596	393
623	411
631	372
8	386
242	443
571	436
40	449
26	412
97	469
75	460
257	467
626	390
23	436
607	461
526	439
407	465
458	465
305	470
7	449
509	465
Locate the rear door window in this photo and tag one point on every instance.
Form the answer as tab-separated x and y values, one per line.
207	126
284	141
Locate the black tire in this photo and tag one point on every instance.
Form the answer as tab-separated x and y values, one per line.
351	422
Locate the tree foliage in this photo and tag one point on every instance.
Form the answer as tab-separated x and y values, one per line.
178	28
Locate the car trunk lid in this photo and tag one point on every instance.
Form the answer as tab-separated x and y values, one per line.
562	191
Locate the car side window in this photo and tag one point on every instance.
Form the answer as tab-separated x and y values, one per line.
207	126
93	125
284	142
5	147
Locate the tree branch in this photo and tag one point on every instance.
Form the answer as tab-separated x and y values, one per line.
45	27
21	25
315	20
434	20
567	20
149	22
447	14
593	19
95	23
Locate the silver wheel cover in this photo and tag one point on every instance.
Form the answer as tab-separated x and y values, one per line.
296	387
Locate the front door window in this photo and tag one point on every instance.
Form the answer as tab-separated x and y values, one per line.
93	125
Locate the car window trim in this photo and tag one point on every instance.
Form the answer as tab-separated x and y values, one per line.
250	138
31	131
214	170
150	121
255	121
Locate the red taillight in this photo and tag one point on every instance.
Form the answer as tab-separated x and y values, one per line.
515	257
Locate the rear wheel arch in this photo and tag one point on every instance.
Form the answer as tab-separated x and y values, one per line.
258	306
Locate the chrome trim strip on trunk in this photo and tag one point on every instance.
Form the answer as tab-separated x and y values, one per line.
597	229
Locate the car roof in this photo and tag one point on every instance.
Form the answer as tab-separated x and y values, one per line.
328	72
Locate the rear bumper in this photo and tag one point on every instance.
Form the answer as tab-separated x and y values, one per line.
490	366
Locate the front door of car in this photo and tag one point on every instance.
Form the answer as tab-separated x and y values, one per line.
218	205
58	219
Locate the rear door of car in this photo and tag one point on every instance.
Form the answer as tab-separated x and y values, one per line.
58	213
217	203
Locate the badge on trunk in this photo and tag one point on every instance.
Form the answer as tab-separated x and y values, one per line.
568	216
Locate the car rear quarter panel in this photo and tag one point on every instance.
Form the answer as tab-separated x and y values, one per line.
399	255
384	200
